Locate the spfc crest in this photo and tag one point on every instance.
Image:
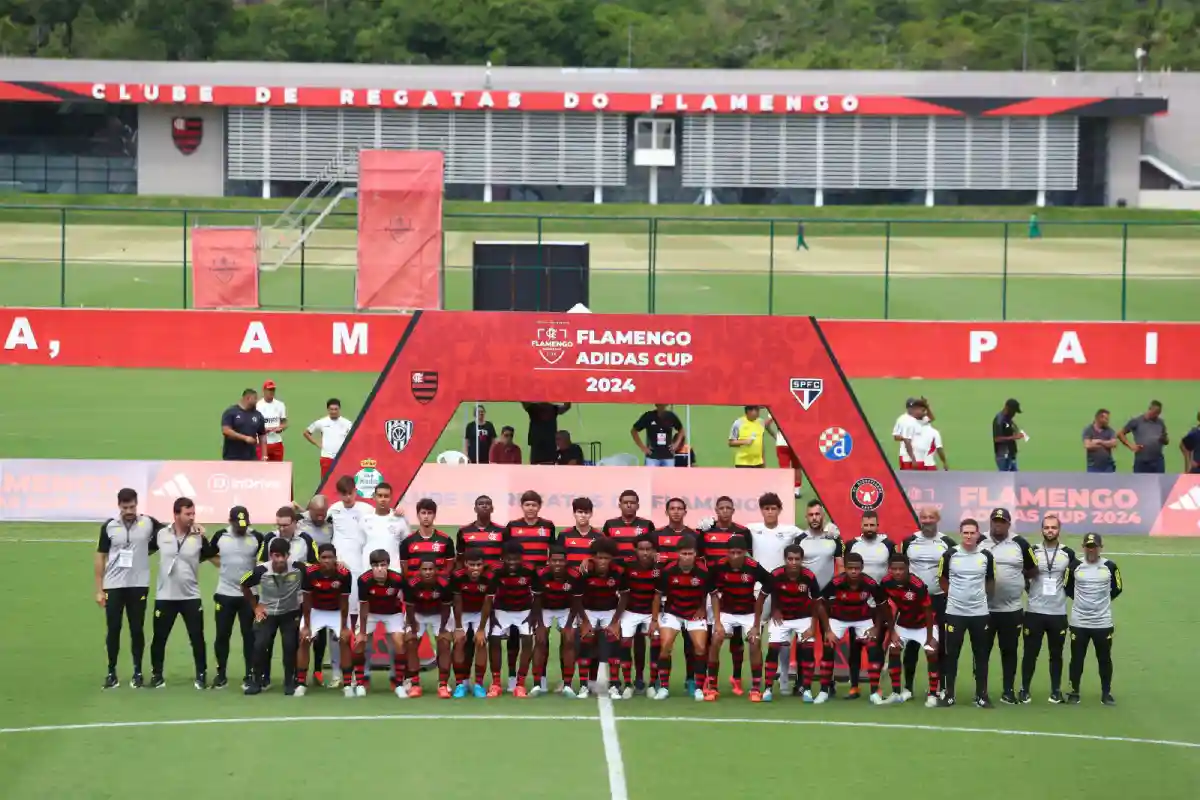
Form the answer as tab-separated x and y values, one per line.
187	132
399	433
424	386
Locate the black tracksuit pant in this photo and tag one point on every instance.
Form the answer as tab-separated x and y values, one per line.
957	629
165	612
232	610
288	627
119	605
1052	628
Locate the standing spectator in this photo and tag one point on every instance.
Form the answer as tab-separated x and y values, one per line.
1005	435
543	429
1149	437
1099	440
664	434
566	452
334	428
477	443
503	450
1190	447
274	414
927	445
746	437
243	427
907	427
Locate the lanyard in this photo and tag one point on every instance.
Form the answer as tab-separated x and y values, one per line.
1050	560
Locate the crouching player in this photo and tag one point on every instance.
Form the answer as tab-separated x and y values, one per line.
513	588
559	589
428	599
796	610
913	628
380	601
639	588
679	606
326	598
856	605
472	586
735	578
601	602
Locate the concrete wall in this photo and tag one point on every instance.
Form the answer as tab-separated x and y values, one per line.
1175	199
163	170
1124	160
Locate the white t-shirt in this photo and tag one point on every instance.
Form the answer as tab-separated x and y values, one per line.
926	443
907	427
333	434
384	532
274	412
349	533
768	543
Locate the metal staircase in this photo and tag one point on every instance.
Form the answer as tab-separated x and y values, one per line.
304	215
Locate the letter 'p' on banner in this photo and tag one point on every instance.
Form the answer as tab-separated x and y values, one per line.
626	358
399	229
224	267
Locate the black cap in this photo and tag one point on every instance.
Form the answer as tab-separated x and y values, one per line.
1013	405
913	402
1093	540
239	517
1001	514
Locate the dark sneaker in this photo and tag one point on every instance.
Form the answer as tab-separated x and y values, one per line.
289	689
946	702
157	682
1057	698
1073	698
983	701
1107	699
201	682
266	683
252	688
246	681
137	681
639	687
853	694
1024	698
110	681
1008	698
220	682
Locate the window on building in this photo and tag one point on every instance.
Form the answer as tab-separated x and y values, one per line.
654	134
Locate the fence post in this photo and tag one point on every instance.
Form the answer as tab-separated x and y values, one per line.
887	267
1124	269
62	257
1004	278
541	266
649	265
303	248
771	274
185	258
653	264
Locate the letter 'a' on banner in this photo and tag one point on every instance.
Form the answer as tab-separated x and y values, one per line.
399	230
224	267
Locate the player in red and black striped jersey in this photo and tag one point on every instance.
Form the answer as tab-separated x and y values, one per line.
857	607
668	538
601	615
428	601
639	587
380	602
714	544
535	535
796	610
913	625
626	529
326	588
735	580
483	534
472	586
426	542
512	589
683	588
558	592
577	541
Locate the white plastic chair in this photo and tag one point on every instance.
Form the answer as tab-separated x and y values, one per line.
453	457
619	460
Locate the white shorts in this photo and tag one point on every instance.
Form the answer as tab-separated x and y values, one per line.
556	617
471	621
676	624
631	623
600	619
782	632
860	629
914	635
323	620
731	621
510	619
392	623
427	622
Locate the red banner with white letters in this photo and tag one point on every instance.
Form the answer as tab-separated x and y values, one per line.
362	343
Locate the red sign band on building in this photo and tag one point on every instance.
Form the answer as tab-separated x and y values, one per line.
253	340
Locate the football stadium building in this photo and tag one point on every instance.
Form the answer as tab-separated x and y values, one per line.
604	135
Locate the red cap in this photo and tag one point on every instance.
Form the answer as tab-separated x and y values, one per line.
268	384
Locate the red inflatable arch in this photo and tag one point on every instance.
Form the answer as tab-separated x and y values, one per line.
446	358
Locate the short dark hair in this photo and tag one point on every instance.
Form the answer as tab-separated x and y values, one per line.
853	558
811	503
723	499
628	493
325	548
430	560
686	542
531	496
127	496
473	554
513	549
279	547
564	433
582	504
333	401
181	503
898	558
1155	404
646	537
770	499
870	514
379	557
345	484
426	504
286	511
604	546
383	485
508	429
968	521
247	392
679	500
793	548
557	550
1103	411
738	542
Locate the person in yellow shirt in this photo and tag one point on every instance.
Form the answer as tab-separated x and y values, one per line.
746	439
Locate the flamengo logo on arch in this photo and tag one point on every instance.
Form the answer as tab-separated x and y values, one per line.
215	340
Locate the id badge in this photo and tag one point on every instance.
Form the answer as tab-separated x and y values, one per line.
1049	587
125	559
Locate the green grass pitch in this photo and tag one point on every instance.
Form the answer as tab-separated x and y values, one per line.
61	737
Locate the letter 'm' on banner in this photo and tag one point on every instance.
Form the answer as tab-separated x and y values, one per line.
399	229
445	358
224	267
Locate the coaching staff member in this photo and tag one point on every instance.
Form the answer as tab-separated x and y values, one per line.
1014	565
122	565
181	547
243	427
1092	584
277	609
1046	616
967	575
236	549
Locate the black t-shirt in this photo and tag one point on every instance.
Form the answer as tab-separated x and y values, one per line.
1192	443
247	423
543	424
573	453
479	439
660	432
1004	426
